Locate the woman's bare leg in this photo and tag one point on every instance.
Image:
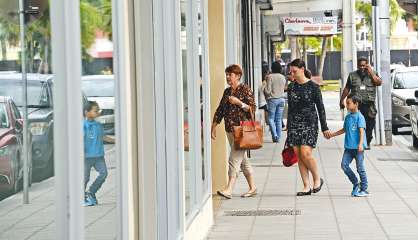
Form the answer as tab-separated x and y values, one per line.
310	162
304	173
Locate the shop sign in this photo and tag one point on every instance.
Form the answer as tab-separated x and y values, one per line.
311	26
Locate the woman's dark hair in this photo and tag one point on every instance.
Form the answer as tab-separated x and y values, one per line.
301	64
276	67
354	98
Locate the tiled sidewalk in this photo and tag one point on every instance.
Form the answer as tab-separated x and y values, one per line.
390	212
35	221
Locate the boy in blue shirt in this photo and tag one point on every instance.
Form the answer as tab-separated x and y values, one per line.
93	152
354	144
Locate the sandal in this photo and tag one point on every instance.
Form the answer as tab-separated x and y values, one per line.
225	195
249	194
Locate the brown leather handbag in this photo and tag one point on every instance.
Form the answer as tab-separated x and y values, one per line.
249	135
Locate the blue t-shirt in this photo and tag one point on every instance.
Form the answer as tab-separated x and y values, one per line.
352	124
93	139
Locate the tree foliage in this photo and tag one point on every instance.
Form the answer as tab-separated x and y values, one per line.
364	8
94	15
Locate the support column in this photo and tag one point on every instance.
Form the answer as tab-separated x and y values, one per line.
217	81
349	51
231	42
257	51
385	68
68	136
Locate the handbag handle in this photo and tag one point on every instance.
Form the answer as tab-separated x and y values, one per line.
252	113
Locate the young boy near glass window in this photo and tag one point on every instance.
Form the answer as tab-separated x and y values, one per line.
93	152
354	144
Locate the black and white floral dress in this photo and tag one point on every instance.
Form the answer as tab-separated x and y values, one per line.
305	104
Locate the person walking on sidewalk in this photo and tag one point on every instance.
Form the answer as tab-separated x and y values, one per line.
304	95
235	106
274	93
354	144
262	103
363	83
93	152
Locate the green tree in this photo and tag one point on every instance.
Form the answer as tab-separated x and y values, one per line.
396	13
90	21
38	35
9	35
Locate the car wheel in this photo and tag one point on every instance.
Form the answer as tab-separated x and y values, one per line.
414	140
395	130
16	181
50	168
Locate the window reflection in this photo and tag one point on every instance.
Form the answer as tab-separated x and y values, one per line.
187	151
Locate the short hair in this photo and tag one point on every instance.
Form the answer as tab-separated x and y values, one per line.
264	70
362	59
89	105
234	68
276	67
354	98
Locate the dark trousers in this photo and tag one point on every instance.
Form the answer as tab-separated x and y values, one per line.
370	122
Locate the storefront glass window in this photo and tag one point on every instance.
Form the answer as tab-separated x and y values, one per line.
187	150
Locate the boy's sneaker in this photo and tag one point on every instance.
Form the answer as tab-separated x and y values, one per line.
362	193
88	202
91	198
355	191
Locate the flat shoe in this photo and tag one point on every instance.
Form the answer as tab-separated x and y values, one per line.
221	193
315	190
249	194
304	193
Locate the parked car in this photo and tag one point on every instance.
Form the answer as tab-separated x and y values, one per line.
404	84
413	103
101	88
40	115
11	138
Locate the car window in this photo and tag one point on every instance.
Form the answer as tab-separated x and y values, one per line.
409	79
98	87
14	89
4	119
16	111
44	98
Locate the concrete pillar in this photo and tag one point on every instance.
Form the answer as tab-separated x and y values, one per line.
349	51
257	51
217	84
231	36
385	68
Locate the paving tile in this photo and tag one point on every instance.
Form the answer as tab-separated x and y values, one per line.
390	212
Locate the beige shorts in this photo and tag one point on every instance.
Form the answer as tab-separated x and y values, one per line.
237	159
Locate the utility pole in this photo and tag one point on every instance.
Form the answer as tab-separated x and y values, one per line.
25	149
385	68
